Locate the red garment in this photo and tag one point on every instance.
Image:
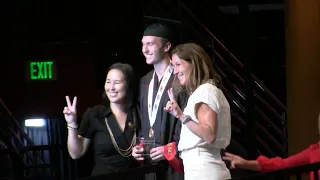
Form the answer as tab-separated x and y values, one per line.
307	156
170	151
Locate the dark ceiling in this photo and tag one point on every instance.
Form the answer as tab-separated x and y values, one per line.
47	21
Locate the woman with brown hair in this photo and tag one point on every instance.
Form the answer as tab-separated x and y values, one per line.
206	126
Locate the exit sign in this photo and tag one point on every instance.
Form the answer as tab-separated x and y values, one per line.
41	70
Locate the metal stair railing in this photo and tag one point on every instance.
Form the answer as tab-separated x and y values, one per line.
224	67
18	135
259	84
234	85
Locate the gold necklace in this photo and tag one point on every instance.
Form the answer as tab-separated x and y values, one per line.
123	152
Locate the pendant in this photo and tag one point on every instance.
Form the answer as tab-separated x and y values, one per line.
151	133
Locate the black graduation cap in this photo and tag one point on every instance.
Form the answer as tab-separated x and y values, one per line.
169	29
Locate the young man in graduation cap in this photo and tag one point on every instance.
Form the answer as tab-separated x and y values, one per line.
157	124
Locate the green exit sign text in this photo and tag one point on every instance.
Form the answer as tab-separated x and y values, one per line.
42	70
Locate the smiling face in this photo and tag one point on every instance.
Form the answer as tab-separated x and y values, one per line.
182	69
115	86
153	49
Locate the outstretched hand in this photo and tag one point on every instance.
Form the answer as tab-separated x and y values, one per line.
172	107
70	111
235	161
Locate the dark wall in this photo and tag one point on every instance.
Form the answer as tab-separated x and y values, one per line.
76	66
83	39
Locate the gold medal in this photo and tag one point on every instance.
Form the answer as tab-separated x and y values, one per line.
151	133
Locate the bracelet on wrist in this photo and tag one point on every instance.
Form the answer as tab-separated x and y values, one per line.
71	127
184	119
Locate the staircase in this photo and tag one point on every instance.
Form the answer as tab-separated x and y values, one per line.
22	158
258	116
12	136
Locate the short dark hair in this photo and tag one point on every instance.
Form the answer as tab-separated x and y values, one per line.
131	84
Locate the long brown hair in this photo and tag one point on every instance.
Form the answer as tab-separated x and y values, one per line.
202	67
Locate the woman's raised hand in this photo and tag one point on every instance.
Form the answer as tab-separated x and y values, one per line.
70	111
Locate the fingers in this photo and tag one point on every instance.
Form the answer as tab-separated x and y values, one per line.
68	102
169	103
171	96
169	106
153	150
157	158
166	109
229	154
137	153
69	111
226	158
74	103
233	165
137	156
154	153
66	110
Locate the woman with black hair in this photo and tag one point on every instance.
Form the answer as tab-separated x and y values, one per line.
110	128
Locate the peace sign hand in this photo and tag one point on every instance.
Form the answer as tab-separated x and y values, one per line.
172	107
70	111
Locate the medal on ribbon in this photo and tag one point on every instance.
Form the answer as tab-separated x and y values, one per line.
151	133
153	109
